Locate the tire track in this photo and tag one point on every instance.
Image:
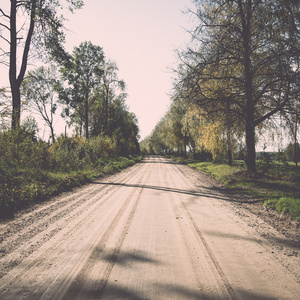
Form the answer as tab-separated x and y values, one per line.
31	219
182	214
20	244
78	282
57	239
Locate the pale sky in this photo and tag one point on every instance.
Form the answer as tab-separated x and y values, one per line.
140	36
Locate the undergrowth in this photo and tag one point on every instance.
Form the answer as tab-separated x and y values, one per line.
32	171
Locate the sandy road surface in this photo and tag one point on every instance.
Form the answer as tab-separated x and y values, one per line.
153	231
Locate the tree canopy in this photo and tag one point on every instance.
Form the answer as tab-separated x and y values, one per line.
240	71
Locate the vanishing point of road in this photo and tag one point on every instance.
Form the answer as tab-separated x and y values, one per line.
155	231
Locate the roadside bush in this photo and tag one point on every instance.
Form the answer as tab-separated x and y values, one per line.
100	147
67	153
31	170
23	150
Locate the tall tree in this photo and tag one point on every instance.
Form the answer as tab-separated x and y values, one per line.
105	94
110	84
26	24
83	75
248	49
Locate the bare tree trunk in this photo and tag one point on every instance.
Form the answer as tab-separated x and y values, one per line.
86	121
15	82
52	133
15	88
229	151
245	15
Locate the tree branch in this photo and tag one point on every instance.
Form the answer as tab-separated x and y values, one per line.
5	39
27	43
275	110
4	14
5	26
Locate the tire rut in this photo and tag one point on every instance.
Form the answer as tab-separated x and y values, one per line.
16	245
78	282
182	214
44	247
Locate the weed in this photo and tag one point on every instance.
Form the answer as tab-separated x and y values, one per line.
286	205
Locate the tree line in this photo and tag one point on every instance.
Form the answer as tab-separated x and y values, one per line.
84	84
236	79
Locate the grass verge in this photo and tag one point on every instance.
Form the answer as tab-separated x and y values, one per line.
276	186
20	188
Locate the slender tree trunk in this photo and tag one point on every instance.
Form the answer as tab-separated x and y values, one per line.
228	134
229	151
87	117
250	125
106	110
52	133
15	89
15	81
296	147
16	106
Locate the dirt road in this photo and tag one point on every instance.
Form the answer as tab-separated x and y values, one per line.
157	230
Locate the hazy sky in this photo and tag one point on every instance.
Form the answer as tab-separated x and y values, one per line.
140	36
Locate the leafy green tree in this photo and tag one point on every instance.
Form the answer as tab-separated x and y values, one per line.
83	76
146	146
27	25
177	135
123	127
291	116
292	153
109	86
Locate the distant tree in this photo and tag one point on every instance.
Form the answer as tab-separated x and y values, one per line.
105	93
82	76
158	143
30	23
109	86
39	91
30	127
123	127
145	145
291	115
292	152
177	135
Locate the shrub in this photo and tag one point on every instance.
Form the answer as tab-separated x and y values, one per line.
100	147
67	153
31	170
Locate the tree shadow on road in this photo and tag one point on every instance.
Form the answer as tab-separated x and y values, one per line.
205	191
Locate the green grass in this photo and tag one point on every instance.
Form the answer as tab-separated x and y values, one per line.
276	185
286	205
218	171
